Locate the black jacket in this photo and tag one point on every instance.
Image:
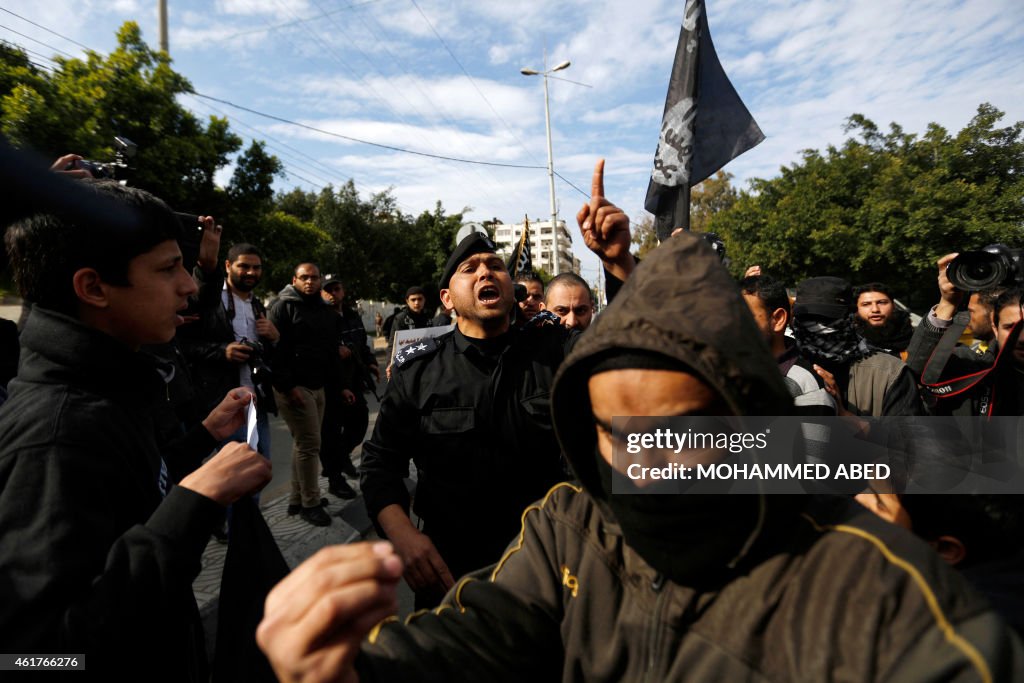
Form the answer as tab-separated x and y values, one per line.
825	591
204	342
1000	392
95	559
477	424
311	332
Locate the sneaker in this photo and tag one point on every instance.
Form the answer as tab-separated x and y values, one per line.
316	516
296	508
341	488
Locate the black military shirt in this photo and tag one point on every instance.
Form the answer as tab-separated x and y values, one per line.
474	415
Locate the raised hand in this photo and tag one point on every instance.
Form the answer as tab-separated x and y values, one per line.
605	228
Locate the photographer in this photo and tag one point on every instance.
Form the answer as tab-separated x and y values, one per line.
977	395
231	343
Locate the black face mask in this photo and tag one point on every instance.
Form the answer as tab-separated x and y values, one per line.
687	537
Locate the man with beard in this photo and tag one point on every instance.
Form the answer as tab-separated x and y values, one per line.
232	336
605	583
1001	390
870	381
878	320
981	306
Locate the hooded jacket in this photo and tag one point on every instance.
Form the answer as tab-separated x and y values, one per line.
307	352
826	590
96	559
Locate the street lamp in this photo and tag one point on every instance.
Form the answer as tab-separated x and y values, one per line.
551	166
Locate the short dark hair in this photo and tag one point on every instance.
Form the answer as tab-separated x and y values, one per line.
879	287
988	297
46	249
306	263
1011	297
243	248
568	280
770	291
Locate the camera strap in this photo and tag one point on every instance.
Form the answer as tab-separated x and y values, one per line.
958	385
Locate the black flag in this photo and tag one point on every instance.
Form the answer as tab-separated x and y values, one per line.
520	261
705	125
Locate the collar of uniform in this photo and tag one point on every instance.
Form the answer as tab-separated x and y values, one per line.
482	346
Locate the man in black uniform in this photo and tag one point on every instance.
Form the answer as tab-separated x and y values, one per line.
471	408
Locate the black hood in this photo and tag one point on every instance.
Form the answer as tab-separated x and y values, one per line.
289	293
680	302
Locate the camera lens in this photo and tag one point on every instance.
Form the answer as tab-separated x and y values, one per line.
976	270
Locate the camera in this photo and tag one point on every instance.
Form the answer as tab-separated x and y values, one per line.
996	265
124	149
257	350
717	244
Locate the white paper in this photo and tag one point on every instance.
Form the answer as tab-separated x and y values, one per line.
252	436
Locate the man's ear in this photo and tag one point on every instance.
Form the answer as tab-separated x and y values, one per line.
227	265
779	320
90	288
950	549
446	299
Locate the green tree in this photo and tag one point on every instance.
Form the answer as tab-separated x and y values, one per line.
884	206
710	197
132	93
645	237
252	184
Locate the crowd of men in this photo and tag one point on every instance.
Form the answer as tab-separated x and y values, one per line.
123	441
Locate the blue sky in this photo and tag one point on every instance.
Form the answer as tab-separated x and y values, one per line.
442	77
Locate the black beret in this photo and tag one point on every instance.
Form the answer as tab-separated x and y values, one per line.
473	243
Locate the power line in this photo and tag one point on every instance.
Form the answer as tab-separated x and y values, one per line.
37	41
298	21
366	142
70	40
302	125
484	180
329	49
473	82
279	143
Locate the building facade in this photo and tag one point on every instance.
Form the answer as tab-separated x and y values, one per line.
542	249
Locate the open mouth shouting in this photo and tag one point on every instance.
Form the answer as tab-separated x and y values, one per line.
488	295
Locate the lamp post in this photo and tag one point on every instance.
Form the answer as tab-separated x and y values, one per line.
551	166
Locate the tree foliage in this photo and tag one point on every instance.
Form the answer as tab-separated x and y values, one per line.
884	206
132	92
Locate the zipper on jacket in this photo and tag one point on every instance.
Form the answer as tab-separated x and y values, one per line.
655	630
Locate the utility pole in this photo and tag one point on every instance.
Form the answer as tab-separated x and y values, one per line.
164	47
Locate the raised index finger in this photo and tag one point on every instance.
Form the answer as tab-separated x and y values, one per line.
597	183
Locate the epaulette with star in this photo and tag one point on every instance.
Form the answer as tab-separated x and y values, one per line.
544	318
423	347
